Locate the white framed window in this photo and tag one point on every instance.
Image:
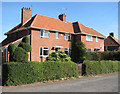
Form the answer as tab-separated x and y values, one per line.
96	39
89	50
57	35
67	51
89	38
44	51
44	33
67	36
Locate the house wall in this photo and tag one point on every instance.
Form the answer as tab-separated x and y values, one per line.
110	42
92	44
37	42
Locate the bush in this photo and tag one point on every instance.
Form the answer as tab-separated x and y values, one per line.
11	49
58	56
100	67
15	73
25	39
107	55
78	51
25	46
20	55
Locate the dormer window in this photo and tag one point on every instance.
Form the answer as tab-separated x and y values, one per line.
89	38
44	33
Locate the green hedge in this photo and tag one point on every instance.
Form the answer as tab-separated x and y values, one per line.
106	55
100	67
16	73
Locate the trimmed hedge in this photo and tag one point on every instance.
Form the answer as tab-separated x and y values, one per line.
100	67
15	73
106	55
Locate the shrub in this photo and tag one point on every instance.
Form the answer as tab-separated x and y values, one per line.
20	55
58	56
15	73
78	52
25	39
100	67
25	46
107	55
11	49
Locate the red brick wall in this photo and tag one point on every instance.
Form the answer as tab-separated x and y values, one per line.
110	42
37	42
92	44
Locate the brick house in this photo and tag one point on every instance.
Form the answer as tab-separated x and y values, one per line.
49	34
111	43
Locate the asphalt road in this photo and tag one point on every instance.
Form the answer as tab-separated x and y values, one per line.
101	83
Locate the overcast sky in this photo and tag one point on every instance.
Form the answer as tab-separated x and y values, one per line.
101	16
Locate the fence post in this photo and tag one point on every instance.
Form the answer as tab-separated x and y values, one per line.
80	69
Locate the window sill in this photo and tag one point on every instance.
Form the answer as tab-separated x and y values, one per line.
44	37
43	56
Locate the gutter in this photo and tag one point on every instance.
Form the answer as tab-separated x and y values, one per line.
31	27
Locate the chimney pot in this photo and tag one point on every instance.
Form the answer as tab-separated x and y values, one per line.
62	17
112	34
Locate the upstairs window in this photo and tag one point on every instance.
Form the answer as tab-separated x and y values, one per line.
44	33
57	35
89	38
67	51
96	39
44	51
67	36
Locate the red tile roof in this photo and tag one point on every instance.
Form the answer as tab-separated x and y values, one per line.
115	39
15	28
46	22
52	23
89	30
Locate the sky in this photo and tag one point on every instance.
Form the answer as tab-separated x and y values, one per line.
101	16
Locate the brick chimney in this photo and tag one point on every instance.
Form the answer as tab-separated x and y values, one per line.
62	17
26	14
112	34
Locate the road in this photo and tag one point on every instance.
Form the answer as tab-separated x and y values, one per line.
100	83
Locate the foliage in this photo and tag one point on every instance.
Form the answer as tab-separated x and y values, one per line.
107	55
100	67
15	73
58	56
78	51
25	46
20	55
25	39
11	49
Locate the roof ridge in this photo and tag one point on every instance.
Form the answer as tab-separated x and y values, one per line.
34	19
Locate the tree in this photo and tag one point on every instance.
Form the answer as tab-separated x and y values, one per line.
78	51
58	56
11	49
25	46
20	55
25	39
